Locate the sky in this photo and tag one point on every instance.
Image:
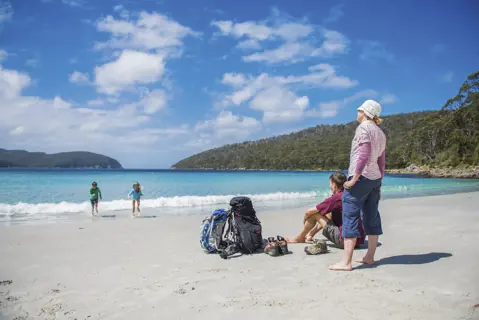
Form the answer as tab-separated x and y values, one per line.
151	82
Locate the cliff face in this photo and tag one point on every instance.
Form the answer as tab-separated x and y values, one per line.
79	159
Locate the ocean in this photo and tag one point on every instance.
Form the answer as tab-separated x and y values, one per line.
52	195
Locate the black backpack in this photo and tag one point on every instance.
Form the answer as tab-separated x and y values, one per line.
243	229
242	206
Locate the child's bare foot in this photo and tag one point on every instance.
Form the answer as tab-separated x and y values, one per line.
365	260
340	267
295	240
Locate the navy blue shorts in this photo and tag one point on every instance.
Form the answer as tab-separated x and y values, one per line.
94	201
362	200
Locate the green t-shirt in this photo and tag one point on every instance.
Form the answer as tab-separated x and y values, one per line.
95	193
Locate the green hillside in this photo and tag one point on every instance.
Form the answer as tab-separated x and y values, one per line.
25	159
447	137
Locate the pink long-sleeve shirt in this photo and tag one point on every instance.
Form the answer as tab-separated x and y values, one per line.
368	151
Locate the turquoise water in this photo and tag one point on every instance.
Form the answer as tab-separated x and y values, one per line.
49	194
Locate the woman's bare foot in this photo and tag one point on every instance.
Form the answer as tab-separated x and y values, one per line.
365	260
340	267
295	240
309	238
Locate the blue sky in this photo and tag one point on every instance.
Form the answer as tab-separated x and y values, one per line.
150	82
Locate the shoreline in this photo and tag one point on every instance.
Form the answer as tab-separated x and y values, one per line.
412	170
426	269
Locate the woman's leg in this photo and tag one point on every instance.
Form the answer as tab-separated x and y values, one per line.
133	203
138	204
353	200
372	224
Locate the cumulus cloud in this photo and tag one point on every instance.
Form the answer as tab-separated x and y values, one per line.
154	101
151	31
59	125
297	39
12	83
276	97
279	104
227	126
320	76
129	69
79	77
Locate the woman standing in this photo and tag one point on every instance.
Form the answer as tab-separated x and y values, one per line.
362	190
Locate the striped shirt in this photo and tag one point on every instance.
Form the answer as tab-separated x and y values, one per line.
371	139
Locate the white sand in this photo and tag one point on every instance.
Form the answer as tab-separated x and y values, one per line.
154	269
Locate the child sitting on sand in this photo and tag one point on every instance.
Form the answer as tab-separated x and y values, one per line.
95	194
136	195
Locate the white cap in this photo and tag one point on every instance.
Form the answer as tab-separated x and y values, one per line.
371	108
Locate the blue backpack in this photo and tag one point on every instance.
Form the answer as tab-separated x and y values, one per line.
211	231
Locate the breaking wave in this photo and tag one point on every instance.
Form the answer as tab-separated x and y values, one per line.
21	209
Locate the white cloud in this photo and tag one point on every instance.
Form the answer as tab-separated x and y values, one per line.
17	131
234	79
227	126
447	77
275	95
12	83
373	51
153	102
321	76
297	39
330	109
131	68
6	11
388	98
79	77
33	63
152	31
95	103
3	55
279	104
58	125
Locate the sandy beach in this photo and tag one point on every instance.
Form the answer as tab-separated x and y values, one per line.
154	269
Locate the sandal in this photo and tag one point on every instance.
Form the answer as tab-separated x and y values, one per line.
272	248
283	245
318	247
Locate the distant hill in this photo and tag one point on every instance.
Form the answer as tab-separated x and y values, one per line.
447	137
25	159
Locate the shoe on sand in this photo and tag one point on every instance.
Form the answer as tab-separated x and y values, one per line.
283	245
272	248
318	247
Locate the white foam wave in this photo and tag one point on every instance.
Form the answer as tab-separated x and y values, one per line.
21	208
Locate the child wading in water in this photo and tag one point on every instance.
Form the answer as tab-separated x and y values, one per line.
95	195
136	195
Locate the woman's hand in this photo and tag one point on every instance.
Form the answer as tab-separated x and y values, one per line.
349	184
